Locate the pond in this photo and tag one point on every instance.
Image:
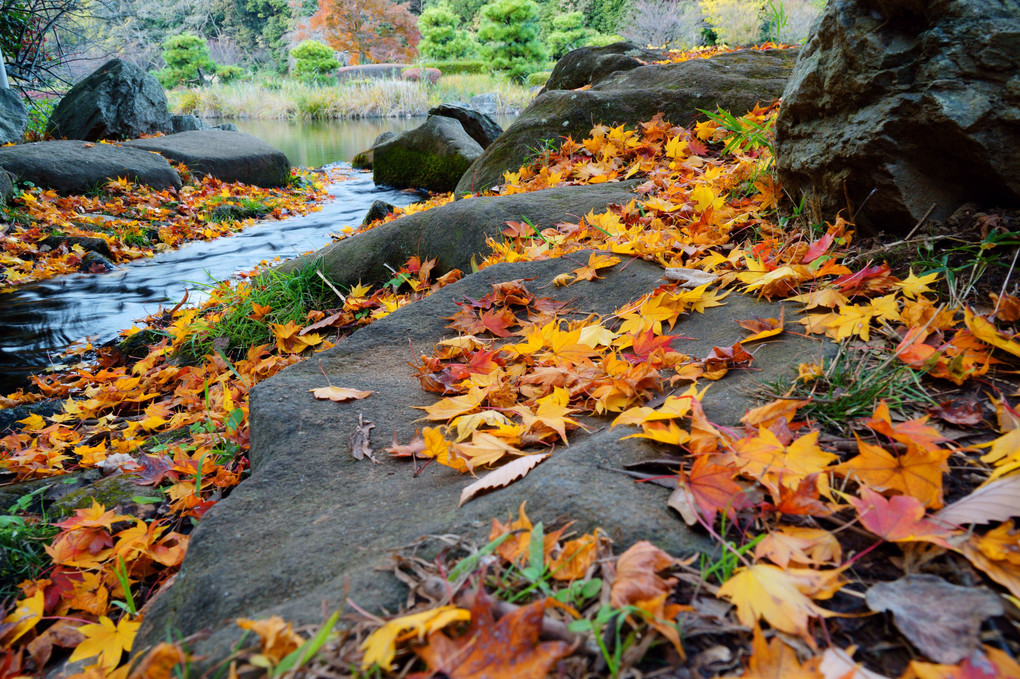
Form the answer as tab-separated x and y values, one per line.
314	143
39	320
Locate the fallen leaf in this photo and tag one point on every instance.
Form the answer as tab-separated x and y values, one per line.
276	636
381	645
941	619
106	640
766	592
502	476
637	575
505	649
995	501
775	660
898	519
360	444
339	394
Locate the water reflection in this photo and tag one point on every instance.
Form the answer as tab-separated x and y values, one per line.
314	143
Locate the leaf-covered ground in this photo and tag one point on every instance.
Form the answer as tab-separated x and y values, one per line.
863	513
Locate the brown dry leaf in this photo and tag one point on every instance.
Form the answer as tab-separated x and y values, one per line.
159	662
503	476
995	501
411	449
505	649
339	394
947	632
769	593
360	442
637	576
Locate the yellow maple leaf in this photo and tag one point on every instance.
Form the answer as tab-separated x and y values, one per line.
106	640
381	645
24	617
912	285
769	593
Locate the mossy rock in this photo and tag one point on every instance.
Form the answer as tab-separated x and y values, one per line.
432	156
109	492
362	161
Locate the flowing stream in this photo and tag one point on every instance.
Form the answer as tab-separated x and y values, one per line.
39	320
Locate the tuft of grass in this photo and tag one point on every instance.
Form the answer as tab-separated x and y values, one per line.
23	538
290	296
850	385
963	265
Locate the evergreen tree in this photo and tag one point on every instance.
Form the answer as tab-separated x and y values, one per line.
442	37
568	32
510	37
313	61
187	61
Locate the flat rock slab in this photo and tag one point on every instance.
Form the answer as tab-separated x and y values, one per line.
455	233
228	156
736	81
311	523
71	167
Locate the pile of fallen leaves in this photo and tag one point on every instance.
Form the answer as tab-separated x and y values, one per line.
45	234
820	526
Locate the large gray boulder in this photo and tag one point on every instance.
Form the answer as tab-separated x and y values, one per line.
735	81
71	167
363	160
433	156
455	233
229	156
117	101
587	65
13	117
478	125
311	524
894	107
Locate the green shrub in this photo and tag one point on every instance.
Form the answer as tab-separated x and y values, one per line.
228	74
314	61
187	61
457	67
442	37
599	39
568	32
510	36
537	79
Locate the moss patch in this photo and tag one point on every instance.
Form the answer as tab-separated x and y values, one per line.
403	167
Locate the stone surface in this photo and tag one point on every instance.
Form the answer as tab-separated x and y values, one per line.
187	123
78	166
896	106
454	233
433	156
93	262
735	80
487	103
117	101
229	156
478	125
311	523
6	187
13	117
588	65
378	210
97	245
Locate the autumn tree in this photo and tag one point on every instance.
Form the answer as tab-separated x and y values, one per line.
369	30
510	37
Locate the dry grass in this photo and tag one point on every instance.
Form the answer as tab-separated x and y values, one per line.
364	99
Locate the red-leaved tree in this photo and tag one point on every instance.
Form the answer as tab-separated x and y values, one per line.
368	30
